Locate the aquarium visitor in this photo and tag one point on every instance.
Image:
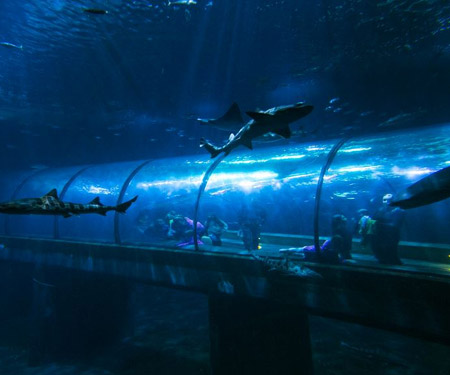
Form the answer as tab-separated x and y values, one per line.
214	228
388	223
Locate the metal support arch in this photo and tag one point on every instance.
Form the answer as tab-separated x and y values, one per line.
120	198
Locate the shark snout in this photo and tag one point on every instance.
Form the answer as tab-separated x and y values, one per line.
297	111
305	109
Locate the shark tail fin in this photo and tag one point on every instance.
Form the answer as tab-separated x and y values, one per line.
213	150
123	207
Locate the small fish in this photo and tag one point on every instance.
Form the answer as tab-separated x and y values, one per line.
95	11
334	100
39	166
182	2
399	120
10	45
42	283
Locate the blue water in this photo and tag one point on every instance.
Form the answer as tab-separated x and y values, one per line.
126	85
78	89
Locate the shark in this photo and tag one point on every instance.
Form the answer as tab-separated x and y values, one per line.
11	45
274	120
230	121
430	189
50	204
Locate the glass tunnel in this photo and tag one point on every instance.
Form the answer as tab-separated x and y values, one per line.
275	184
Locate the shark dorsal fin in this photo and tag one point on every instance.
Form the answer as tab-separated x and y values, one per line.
247	143
52	193
259	116
231	137
285	132
96	201
233	114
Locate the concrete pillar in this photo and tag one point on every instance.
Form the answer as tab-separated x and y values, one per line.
76	314
253	336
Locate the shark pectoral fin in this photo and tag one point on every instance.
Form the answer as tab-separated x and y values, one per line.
284	132
103	213
67	214
52	193
96	201
259	116
248	143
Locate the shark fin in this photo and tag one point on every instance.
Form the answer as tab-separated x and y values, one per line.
231	137
123	207
67	214
96	201
233	114
103	213
284	132
248	143
52	193
259	116
213	150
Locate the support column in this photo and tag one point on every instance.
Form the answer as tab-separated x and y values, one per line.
253	336
76	314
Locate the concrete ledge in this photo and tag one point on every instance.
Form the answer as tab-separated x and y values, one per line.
430	252
397	298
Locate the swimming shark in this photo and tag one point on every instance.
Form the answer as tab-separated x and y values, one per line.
230	121
432	188
50	204
274	120
10	45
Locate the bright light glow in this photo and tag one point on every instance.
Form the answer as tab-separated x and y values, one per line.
315	148
248	161
447	162
326	177
219	179
288	157
357	149
245	185
174	183
358	169
411	172
329	177
99	190
216	180
347	194
298	176
256	161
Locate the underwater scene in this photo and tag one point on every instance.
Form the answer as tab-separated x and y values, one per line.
224	187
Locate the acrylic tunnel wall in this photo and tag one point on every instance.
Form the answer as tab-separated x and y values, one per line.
275	184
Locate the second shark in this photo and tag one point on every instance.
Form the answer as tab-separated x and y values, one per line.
274	120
